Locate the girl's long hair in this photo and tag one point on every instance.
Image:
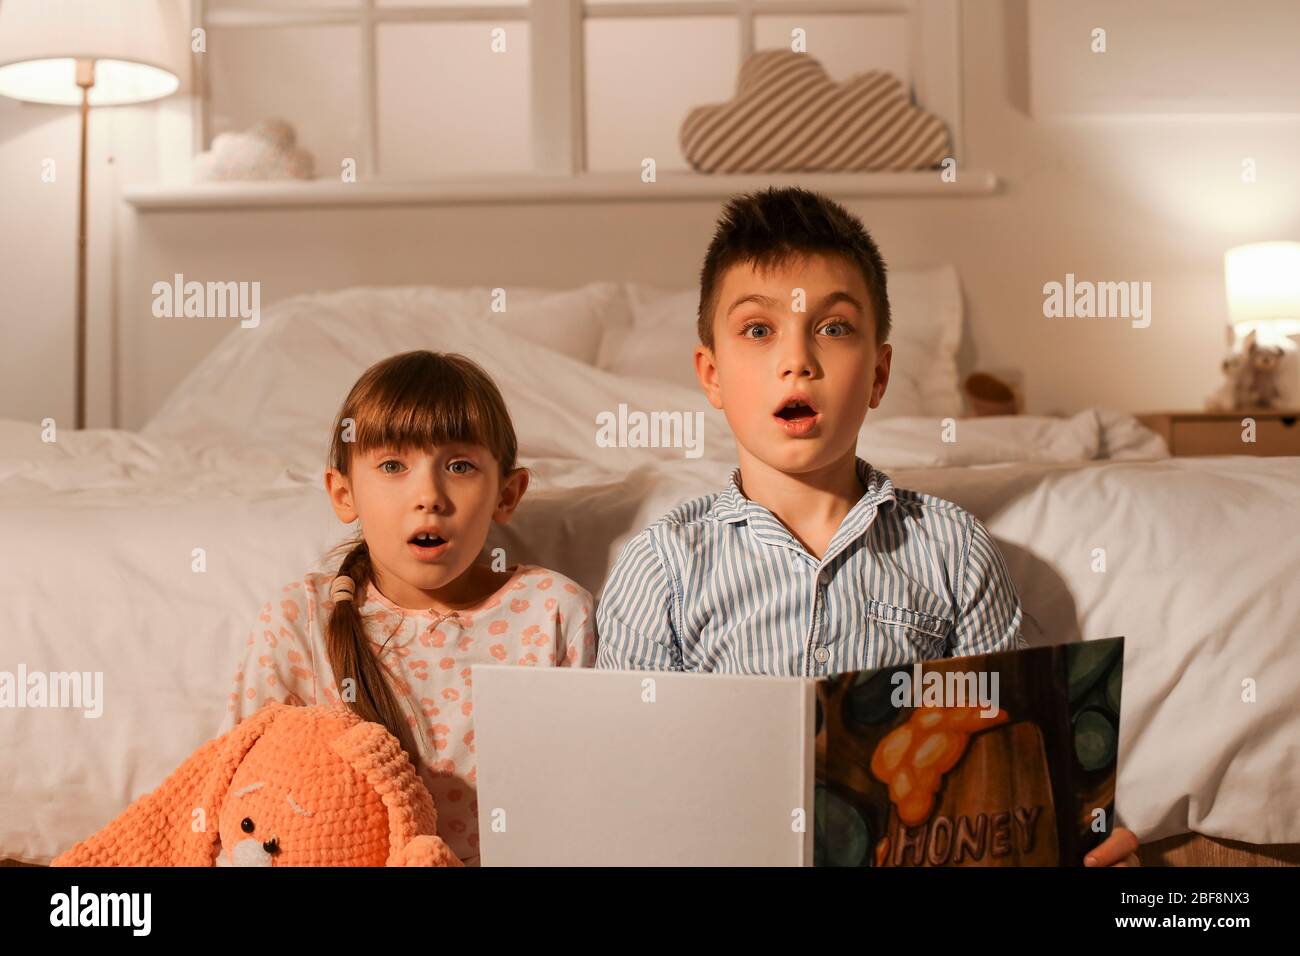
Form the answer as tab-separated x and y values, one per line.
412	400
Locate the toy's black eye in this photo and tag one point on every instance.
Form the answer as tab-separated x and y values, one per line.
272	845
247	825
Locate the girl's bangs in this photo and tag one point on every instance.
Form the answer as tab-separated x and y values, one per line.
419	420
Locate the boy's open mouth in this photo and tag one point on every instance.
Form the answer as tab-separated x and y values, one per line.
797	416
794	410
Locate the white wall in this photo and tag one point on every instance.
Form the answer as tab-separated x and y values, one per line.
38	245
1143	198
37	260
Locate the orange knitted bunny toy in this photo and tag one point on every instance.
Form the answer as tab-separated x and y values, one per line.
288	786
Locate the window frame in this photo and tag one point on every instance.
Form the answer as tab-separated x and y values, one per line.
557	80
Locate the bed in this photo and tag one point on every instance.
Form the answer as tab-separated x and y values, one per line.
145	556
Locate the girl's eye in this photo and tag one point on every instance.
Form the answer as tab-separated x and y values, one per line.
469	466
744	330
383	466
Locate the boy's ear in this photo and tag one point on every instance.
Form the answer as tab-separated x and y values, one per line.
511	493
339	489
884	355
706	370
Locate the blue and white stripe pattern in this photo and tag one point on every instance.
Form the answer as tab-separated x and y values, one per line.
719	584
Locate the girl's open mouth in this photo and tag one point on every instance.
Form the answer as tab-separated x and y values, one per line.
427	547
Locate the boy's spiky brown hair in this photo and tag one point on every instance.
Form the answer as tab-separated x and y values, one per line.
773	226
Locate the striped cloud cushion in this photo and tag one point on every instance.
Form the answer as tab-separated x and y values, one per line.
789	116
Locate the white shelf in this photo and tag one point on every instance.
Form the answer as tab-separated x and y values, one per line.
537	187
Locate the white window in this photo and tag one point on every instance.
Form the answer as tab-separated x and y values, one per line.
414	90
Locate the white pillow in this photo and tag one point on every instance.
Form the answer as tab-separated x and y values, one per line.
905	442
570	321
925	304
295	333
280	384
659	340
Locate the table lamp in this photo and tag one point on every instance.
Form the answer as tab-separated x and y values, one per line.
90	53
1263	285
1263	281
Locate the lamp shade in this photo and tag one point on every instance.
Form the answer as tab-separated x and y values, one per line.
1263	282
141	49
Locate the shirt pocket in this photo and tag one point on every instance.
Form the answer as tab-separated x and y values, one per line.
924	625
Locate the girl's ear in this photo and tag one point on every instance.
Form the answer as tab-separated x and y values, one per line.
339	489
512	491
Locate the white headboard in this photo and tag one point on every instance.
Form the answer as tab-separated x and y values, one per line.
298	238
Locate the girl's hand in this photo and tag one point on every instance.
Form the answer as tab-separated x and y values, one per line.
1118	849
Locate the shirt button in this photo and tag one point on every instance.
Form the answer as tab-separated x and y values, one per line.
824	578
822	655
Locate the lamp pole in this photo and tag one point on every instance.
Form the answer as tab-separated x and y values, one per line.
85	80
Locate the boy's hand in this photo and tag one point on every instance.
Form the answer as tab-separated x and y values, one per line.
1118	849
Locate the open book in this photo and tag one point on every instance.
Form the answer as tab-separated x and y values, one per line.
655	768
1001	759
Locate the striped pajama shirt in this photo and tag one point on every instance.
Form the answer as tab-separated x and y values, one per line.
719	584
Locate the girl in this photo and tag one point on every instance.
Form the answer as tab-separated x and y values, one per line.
423	457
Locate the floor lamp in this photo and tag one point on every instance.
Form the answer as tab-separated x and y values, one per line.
90	53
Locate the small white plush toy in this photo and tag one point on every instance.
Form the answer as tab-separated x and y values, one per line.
266	151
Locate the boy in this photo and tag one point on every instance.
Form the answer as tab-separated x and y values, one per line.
810	562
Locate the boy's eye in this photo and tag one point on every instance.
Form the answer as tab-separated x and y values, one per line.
383	466
843	329
469	466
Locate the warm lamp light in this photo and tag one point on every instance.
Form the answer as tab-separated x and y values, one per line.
90	53
1263	282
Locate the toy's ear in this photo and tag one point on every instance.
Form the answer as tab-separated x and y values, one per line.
426	850
163	828
375	753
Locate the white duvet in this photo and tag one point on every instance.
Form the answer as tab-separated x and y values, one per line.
102	532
